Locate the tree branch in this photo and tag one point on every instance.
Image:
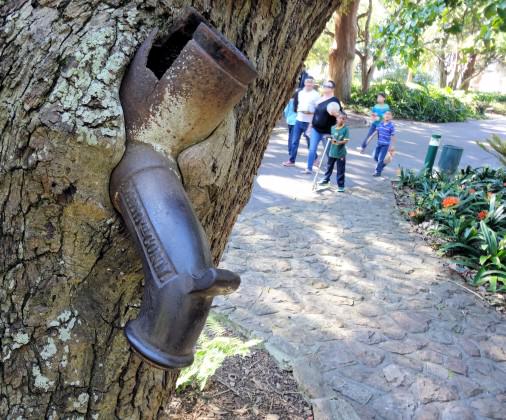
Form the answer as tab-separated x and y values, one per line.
329	33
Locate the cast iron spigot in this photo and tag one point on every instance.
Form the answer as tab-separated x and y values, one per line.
174	94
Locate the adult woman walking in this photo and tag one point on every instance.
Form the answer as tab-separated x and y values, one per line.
321	123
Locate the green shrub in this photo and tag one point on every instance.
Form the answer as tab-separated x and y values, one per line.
468	212
213	348
489	97
481	102
496	147
416	102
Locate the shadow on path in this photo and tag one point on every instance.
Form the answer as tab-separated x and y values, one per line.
363	312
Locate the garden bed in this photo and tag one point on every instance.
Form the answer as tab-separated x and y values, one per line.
234	378
251	387
464	219
428	103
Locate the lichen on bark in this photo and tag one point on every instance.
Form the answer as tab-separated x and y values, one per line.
69	276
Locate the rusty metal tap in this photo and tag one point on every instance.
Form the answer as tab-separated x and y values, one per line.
175	93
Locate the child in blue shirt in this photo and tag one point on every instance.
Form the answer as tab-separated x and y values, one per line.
377	113
386	142
290	116
290	113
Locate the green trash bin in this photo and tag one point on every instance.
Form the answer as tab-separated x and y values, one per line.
450	159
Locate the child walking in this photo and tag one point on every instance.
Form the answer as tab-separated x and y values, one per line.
337	151
377	113
386	142
291	118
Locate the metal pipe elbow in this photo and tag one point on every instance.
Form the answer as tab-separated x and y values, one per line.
175	93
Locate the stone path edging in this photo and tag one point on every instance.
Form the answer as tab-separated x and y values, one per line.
359	307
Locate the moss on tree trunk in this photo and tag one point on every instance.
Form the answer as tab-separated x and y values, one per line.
70	278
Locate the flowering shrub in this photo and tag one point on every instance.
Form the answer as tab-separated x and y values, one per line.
482	215
468	213
450	202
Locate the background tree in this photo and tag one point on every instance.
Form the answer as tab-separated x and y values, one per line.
70	278
318	55
366	48
465	36
342	53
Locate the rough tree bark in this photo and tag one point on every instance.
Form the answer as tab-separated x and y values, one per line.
70	278
342	53
469	72
364	54
441	62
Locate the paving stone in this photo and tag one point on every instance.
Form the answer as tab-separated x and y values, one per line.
398	404
429	356
434	369
393	332
396	375
282	351
369	310
428	412
369	356
335	356
457	412
306	372
495	348
466	387
317	284
333	408
443	349
456	365
354	391
261	309
407	361
363	375
470	348
369	337
364	316
268	265
440	336
428	390
490	408
402	347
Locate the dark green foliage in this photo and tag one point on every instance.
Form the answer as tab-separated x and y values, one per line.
213	347
415	102
494	102
468	213
496	147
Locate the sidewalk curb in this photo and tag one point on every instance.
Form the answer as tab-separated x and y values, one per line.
328	406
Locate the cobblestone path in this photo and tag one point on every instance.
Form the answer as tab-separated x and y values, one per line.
363	312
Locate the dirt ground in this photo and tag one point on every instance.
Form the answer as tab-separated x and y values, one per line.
250	387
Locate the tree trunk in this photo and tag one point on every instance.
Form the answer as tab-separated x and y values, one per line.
409	77
469	72
366	71
441	59
443	74
70	276
342	54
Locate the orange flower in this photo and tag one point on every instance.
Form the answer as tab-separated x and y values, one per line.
482	214
472	190
412	214
490	194
450	201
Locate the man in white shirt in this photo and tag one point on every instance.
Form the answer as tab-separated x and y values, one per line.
304	104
